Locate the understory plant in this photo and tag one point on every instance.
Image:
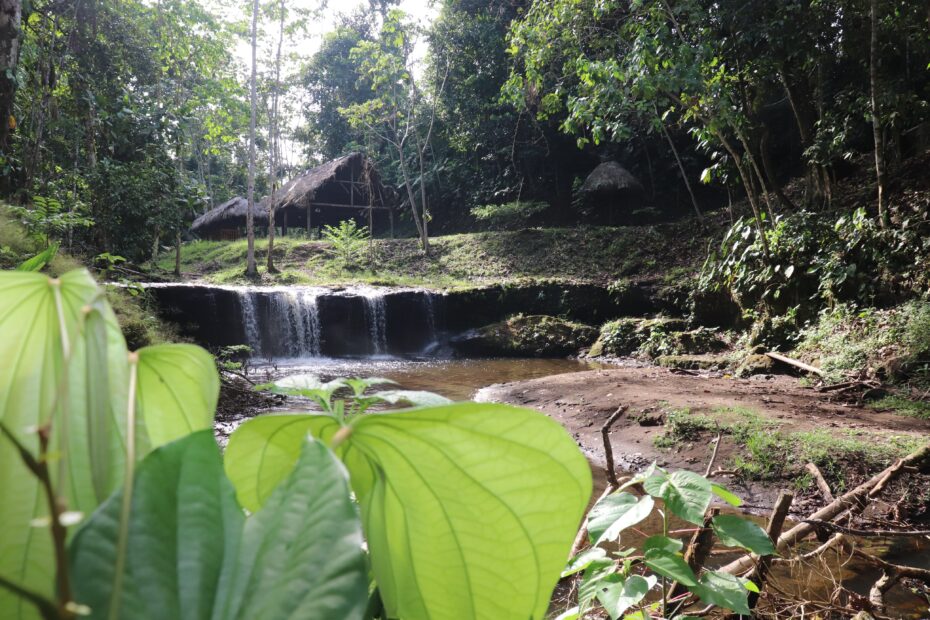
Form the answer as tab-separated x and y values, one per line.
116	502
654	578
348	241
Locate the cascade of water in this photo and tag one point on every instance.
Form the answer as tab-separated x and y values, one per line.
377	320
429	307
310	324
250	321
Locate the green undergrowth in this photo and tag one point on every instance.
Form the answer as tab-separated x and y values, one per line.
767	451
904	406
589	254
889	344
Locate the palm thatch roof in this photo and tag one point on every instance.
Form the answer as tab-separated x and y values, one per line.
305	188
230	214
610	178
348	182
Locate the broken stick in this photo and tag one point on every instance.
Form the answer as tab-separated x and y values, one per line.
796	363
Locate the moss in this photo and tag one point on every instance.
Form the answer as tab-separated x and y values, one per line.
692	362
535	336
653	338
140	325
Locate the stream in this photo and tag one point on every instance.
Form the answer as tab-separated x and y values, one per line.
403	335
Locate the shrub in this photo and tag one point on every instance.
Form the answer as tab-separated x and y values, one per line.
510	215
348	241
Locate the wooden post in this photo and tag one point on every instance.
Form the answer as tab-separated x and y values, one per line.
283	223
309	218
391	216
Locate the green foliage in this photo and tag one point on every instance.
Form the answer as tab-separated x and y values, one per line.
40	260
49	218
621	584
348	240
904	406
71	378
191	552
891	344
410	470
466	506
510	215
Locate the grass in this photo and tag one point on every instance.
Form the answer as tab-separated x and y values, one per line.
583	254
904	406
889	344
769	452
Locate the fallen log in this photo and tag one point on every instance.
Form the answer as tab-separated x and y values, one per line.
796	363
854	502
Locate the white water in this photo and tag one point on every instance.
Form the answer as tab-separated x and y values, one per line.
250	321
376	316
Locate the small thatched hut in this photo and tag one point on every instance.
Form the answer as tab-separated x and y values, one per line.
344	188
226	220
611	188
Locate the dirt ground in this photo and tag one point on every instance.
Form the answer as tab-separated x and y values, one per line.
583	402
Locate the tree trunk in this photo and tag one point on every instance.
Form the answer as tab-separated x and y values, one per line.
681	169
250	268
410	195
750	192
876	118
11	15
273	139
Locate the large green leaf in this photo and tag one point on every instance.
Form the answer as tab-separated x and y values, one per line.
615	513
65	365
619	597
724	590
191	553
469	509
735	531
178	387
686	494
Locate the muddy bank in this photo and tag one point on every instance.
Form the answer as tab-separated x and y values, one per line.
582	402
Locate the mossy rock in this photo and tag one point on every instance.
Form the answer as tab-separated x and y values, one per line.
756	364
693	362
526	336
653	338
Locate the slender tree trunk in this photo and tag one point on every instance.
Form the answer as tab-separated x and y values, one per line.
876	116
273	139
11	16
424	241
750	191
410	194
681	168
251	268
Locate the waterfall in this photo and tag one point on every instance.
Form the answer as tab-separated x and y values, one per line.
376	317
309	324
429	309
250	321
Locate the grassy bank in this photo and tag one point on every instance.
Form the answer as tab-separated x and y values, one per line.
585	254
767	449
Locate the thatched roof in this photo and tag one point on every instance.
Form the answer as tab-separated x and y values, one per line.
611	177
325	186
230	214
302	189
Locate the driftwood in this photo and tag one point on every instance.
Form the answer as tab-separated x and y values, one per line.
773	529
608	449
852	502
842	529
796	363
821	482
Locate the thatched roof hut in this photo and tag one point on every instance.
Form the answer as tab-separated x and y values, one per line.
611	190
229	216
344	188
611	178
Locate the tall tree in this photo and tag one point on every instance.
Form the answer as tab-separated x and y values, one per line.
251	269
273	138
11	16
876	113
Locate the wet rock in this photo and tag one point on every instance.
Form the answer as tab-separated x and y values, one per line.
624	337
531	336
